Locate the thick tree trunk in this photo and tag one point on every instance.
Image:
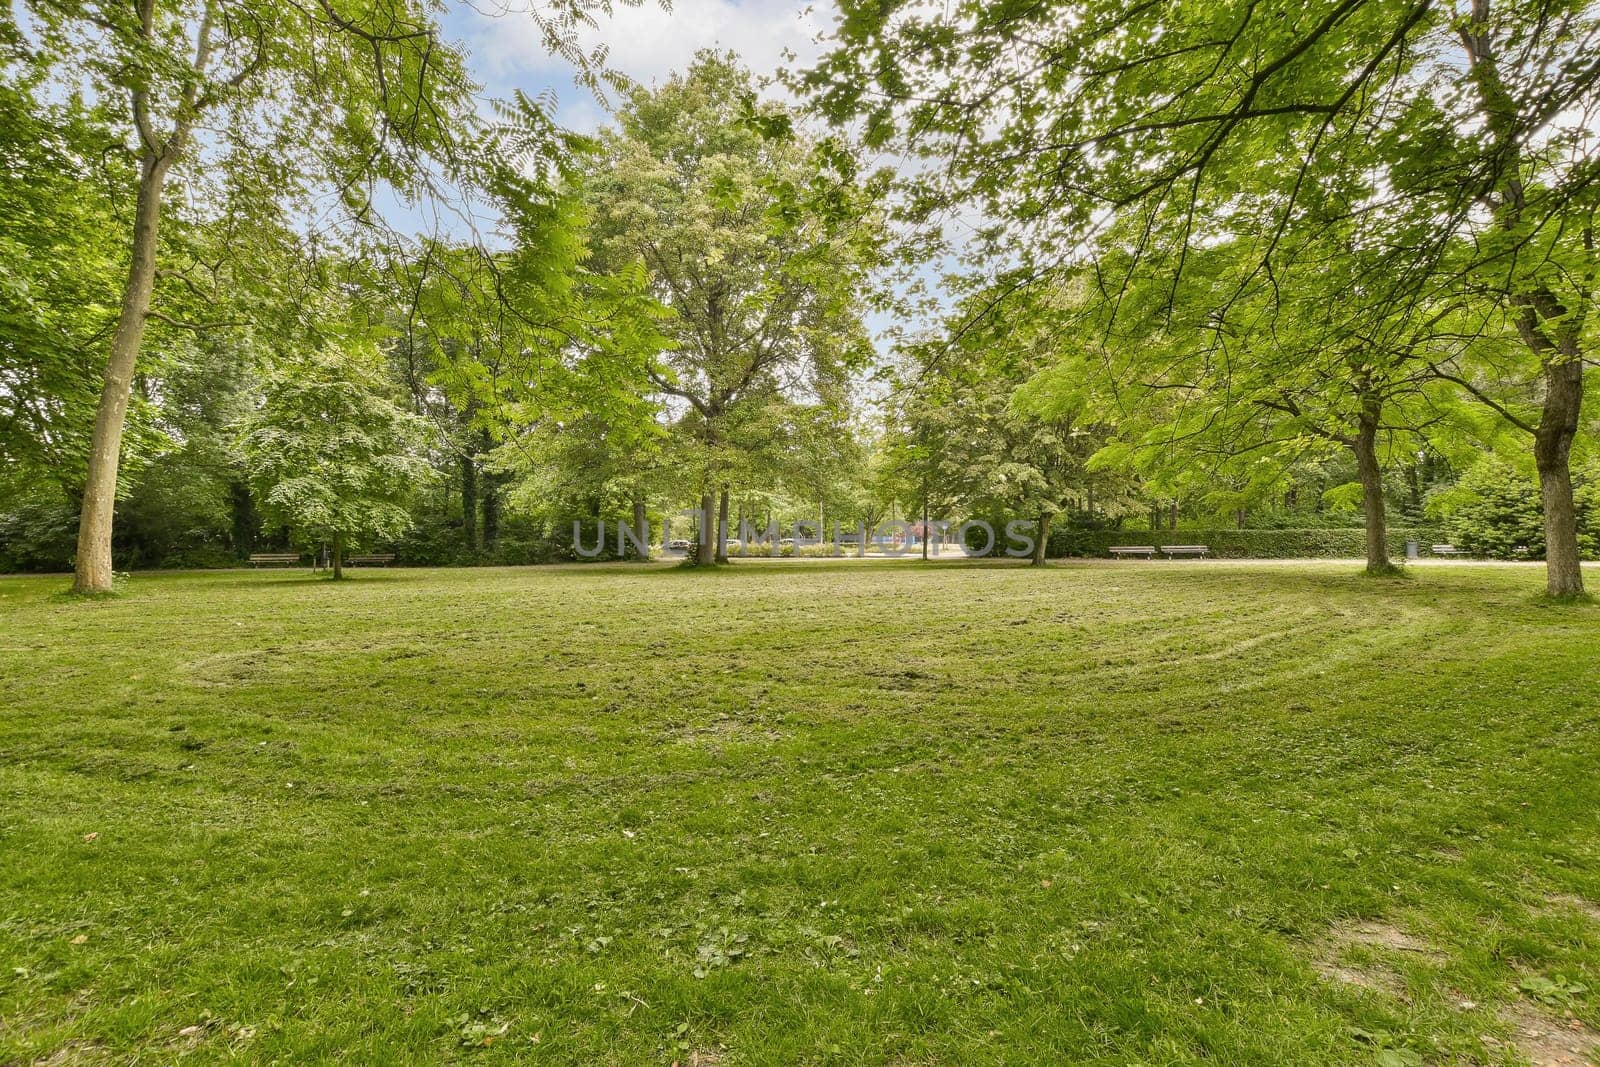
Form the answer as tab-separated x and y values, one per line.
1365	446
338	556
469	502
721	554
703	549
93	566
1548	325
1044	538
1552	451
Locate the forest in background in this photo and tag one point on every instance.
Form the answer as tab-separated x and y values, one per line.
1303	295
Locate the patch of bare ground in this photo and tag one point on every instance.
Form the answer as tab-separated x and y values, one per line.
725	728
1583	906
1352	953
1549	1042
700	1058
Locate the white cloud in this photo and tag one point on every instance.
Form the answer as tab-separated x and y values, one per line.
646	43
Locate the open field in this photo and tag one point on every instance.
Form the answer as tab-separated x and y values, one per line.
805	812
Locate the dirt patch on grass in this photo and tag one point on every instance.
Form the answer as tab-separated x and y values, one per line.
1568	902
1353	952
725	729
1547	1042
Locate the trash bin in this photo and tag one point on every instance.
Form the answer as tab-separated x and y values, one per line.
1413	551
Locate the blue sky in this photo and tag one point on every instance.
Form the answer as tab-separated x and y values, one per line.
646	43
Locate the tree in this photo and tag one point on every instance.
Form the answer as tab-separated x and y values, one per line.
1063	121
256	101
59	268
986	447
1221	384
758	241
330	451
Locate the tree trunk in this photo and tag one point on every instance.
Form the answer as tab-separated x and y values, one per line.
703	548
93	567
1044	538
1366	450
491	511
1552	450
338	556
245	521
469	502
721	554
640	517
925	530
1549	327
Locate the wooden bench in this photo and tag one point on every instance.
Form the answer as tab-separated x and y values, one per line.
280	559
1186	550
380	559
1121	551
1448	550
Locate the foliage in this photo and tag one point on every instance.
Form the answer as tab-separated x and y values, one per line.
1493	510
1279	543
331	453
758	240
61	266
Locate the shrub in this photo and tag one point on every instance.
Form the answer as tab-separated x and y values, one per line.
38	532
1494	511
1325	543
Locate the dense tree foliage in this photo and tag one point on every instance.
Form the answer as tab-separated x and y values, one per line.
1454	138
1241	265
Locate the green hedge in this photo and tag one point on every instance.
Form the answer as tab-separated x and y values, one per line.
1244	544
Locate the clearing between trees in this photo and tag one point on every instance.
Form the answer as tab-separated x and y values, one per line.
801	812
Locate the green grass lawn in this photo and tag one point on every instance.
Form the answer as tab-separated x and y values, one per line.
799	813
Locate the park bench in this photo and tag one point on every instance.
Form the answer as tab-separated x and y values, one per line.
1120	551
1186	550
269	559
1448	550
380	559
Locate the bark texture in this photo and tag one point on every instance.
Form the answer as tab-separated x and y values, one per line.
1365	446
92	570
1039	548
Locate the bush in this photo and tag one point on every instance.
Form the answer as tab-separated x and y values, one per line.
1241	544
38	532
1494	510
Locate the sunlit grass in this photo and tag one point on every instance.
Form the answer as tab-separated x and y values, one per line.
793	812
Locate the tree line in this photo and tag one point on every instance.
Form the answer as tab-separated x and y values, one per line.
280	271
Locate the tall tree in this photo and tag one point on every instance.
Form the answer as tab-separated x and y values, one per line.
1063	121
256	100
758	241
